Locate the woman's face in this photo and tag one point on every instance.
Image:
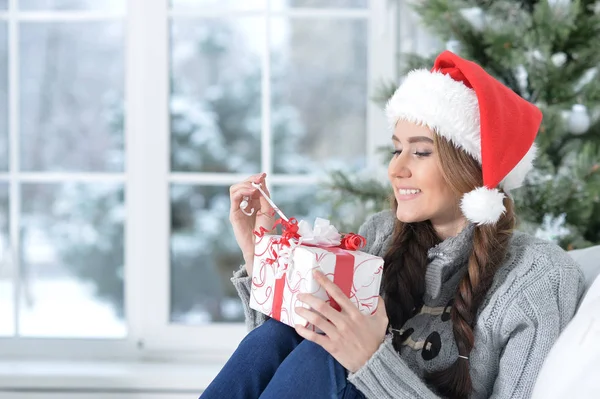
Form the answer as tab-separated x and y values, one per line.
419	187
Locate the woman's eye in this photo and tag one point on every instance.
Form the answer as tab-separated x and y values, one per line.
422	154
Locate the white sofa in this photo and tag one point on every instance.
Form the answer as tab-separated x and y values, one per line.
589	260
572	369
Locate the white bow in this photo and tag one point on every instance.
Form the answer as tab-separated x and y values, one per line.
323	233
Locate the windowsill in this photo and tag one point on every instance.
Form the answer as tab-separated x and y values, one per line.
26	375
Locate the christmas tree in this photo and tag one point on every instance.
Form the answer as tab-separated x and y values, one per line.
548	52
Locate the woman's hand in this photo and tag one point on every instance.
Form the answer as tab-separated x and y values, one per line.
244	225
350	337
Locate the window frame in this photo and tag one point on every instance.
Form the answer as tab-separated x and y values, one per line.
147	176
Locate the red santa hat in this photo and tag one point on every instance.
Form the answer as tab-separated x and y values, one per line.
461	102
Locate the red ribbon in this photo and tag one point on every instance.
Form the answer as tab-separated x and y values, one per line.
261	232
353	242
343	275
278	297
289	231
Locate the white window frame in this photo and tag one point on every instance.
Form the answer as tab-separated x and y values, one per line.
148	178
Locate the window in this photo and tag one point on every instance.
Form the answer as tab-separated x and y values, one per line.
62	177
125	128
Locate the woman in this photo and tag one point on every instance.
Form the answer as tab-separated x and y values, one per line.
471	307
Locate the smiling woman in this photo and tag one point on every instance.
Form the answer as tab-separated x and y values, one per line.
469	309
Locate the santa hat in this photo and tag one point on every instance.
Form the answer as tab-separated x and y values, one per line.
468	107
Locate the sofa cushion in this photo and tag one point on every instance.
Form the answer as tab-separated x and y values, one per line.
589	260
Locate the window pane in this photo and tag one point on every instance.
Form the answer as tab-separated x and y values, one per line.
4	159
216	95
72	260
303	202
319	96
279	4
204	255
218	4
7	304
104	5
72	96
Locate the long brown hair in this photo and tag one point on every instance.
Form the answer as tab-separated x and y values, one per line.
403	284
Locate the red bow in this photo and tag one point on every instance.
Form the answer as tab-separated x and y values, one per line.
289	231
353	242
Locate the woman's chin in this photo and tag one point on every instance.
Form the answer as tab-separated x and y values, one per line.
406	217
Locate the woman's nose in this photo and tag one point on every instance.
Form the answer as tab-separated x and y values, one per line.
399	167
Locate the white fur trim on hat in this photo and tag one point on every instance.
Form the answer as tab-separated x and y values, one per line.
483	205
516	176
435	100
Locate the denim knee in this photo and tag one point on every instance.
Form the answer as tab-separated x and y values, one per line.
308	372
254	362
273	334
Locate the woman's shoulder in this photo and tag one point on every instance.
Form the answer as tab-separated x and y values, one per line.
377	230
533	264
530	255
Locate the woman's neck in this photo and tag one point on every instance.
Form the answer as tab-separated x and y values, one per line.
450	228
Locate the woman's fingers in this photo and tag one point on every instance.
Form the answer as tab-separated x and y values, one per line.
335	293
238	191
321	307
317	320
239	194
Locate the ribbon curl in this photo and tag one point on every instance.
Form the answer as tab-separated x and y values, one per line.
353	242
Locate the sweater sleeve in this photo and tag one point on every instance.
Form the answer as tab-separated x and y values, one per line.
242	283
530	327
387	376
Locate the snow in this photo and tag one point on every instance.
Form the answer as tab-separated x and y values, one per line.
59	307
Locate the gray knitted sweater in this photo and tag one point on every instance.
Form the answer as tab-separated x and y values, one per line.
534	295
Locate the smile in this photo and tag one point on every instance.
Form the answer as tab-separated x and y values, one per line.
403	191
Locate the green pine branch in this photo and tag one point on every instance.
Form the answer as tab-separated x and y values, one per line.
531	36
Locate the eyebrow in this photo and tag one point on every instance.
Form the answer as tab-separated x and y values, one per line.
415	139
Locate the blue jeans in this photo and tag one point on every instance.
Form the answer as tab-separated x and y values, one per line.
274	362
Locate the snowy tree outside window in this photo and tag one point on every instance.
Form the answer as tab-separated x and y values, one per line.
284	90
218	126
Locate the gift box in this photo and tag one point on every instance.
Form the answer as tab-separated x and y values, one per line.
283	268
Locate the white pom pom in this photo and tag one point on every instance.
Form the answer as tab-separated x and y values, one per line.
483	205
